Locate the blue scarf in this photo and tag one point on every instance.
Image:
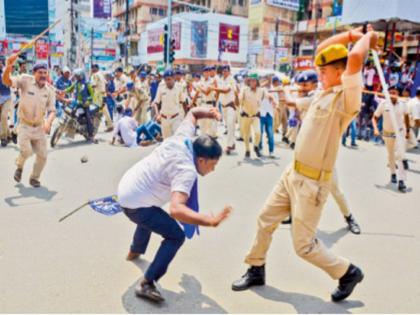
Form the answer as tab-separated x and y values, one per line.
192	202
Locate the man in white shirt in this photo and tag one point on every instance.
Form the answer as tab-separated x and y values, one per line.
169	174
226	91
125	129
389	134
368	75
413	107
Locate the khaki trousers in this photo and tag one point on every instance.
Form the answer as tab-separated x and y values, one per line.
292	133
169	126
303	199
280	118
390	143
32	140
249	123
229	115
339	196
208	126
4	113
141	114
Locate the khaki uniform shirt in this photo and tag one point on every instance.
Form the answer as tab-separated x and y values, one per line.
34	101
121	82
170	100
205	84
251	100
226	98
329	114
303	103
98	82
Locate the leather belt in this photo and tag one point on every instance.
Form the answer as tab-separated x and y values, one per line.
211	103
169	117
231	104
244	114
311	172
30	124
388	134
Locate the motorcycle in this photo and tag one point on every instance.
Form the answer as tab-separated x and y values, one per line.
74	121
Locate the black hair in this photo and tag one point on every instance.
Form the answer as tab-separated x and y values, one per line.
418	92
207	147
342	63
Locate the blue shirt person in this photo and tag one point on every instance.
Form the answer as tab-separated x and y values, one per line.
61	84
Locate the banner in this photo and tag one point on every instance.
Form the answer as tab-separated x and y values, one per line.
285	4
176	35
199	31
303	63
155	41
41	49
102	9
229	38
256	15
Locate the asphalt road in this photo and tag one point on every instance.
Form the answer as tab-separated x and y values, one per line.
79	265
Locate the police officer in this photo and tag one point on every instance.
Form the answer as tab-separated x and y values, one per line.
304	186
37	98
98	83
250	101
226	90
62	83
208	126
167	105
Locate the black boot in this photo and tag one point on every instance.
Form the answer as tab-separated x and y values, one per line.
287	221
254	276
401	186
405	164
247	154
353	225
347	283
257	151
393	178
285	140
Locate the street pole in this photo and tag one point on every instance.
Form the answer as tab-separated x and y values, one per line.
72	35
169	37
91	47
276	43
316	27
127	11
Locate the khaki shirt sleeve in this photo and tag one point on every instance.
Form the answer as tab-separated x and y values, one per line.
352	90
51	101
158	97
17	81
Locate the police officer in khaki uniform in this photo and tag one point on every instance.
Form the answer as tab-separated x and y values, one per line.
208	126
167	105
305	184
98	83
250	101
226	90
37	98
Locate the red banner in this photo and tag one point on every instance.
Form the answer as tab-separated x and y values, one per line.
303	63
229	38
41	49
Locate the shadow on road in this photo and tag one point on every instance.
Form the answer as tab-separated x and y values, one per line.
258	162
41	193
392	188
330	238
304	303
189	300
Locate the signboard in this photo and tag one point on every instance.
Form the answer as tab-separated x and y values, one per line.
285	4
256	15
199	31
229	38
303	63
155	41
176	35
41	49
102	9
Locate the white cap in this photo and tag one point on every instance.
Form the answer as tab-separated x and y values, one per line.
66	69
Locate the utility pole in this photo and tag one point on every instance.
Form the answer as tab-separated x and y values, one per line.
316	27
91	47
276	43
169	37
72	58
127	11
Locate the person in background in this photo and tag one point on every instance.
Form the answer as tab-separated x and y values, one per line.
5	104
62	83
110	89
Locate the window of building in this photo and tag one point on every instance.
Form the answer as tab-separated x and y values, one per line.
241	2
162	12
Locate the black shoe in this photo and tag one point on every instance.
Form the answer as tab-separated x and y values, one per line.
405	164
253	276
285	140
292	146
354	145
247	154
149	291
394	178
18	175
240	139
347	283
257	151
287	221
401	187
34	183
14	138
353	225
4	142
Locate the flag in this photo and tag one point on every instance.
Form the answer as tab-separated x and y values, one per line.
106	205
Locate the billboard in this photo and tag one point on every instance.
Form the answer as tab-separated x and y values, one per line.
155	38
26	17
199	35
102	9
229	38
285	4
